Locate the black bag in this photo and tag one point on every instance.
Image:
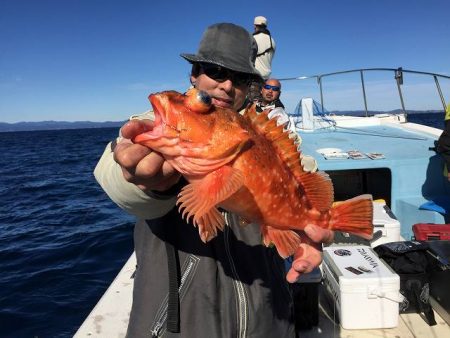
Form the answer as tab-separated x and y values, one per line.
414	265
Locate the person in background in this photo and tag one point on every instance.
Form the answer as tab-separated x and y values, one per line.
266	47
443	144
230	286
270	100
265	51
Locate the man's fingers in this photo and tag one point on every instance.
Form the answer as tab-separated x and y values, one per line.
141	165
150	166
135	127
318	234
292	276
128	155
306	258
153	173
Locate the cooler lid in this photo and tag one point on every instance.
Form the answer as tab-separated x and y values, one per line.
383	216
358	264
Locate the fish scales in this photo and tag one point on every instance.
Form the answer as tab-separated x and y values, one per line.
247	165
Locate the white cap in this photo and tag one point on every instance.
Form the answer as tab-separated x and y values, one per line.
260	20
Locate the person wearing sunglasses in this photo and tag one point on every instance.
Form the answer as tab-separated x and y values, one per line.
232	285
270	100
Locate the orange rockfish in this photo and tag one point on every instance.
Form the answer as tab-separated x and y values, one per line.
247	165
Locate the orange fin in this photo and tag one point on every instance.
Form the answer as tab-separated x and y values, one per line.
260	121
209	223
354	216
250	112
286	241
198	199
317	186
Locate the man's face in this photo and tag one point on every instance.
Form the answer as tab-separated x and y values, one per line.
227	89
269	92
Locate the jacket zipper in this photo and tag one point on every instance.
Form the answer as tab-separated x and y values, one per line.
188	270
241	294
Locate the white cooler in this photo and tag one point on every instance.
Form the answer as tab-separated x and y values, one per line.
365	289
385	220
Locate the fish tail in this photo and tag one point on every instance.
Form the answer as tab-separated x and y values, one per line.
354	216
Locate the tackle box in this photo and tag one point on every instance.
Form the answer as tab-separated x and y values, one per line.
364	289
431	231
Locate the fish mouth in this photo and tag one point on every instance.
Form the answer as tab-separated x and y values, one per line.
160	120
161	128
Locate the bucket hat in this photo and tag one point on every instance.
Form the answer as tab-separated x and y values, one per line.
227	45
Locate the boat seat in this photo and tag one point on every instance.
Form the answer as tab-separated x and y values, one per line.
440	204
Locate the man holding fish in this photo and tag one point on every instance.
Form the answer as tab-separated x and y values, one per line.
232	285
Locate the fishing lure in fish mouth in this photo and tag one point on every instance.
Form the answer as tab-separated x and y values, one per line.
248	165
198	101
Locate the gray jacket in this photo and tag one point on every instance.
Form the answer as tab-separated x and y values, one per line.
232	286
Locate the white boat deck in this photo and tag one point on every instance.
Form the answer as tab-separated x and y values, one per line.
109	318
409	326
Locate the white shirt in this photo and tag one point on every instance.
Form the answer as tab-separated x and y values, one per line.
263	63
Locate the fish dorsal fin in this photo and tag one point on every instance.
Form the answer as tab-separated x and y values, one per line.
316	185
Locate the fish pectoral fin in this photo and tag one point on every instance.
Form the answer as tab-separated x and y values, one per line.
286	241
209	223
199	199
318	188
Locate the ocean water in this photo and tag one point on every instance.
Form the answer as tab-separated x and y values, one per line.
62	241
435	120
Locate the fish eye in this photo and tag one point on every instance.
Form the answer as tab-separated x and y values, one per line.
204	97
198	101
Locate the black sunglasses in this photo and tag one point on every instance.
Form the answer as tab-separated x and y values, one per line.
274	88
221	74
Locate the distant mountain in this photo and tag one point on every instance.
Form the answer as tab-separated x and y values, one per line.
372	112
54	125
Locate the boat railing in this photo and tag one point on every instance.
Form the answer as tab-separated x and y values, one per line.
398	77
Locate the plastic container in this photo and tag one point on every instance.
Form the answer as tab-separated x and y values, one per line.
386	222
364	288
431	231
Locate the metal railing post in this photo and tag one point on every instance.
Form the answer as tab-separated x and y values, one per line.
319	79
398	77
440	92
364	92
399	80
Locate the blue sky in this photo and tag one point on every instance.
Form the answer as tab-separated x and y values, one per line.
99	60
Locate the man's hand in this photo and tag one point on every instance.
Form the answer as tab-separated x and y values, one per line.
309	254
140	165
